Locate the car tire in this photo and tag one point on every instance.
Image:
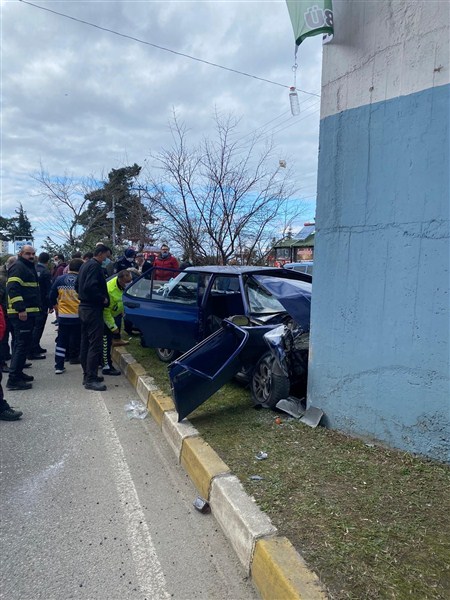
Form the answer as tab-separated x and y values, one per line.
166	355
266	386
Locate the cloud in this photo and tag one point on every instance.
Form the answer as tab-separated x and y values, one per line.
81	100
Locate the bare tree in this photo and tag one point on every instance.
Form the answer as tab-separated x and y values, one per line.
81	209
222	199
66	197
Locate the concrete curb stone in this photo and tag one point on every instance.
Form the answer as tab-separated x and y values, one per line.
158	404
276	568
175	432
201	463
239	517
145	385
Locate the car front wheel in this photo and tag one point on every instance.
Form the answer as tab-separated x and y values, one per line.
166	355
268	387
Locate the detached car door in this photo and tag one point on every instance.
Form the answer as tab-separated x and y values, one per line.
166	311
204	369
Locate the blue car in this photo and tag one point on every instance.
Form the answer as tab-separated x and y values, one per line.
302	267
225	321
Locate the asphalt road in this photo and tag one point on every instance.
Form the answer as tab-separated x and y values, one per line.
94	504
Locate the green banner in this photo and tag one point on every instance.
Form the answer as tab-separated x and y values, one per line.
310	17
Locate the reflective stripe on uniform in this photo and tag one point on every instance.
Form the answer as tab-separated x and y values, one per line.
16	299
24	283
11	311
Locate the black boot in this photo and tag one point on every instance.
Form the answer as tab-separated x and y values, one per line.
18	384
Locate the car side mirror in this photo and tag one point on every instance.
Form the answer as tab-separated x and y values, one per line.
239	320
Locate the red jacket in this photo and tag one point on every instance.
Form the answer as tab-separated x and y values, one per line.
170	262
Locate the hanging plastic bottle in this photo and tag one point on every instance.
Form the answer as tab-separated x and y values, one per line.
293	99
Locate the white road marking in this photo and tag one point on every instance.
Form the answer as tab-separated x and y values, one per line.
148	568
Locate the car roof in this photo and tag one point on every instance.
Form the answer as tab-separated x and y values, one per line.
234	270
250	270
304	263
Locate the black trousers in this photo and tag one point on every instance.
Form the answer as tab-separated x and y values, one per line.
3	403
91	345
39	326
22	336
68	341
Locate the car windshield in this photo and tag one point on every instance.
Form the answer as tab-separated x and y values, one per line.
260	301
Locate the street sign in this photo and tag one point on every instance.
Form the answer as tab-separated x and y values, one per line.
19	244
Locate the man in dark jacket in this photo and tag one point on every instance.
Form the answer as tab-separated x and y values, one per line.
144	264
45	283
22	289
93	295
5	351
126	261
59	266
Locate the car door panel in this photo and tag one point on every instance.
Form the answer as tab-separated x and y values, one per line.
167	327
204	369
166	313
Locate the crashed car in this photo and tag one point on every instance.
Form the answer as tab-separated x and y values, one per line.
249	322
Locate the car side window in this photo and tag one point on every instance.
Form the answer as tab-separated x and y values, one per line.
141	288
183	289
225	284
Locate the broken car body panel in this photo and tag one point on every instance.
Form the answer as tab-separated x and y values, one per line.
181	312
203	370
192	312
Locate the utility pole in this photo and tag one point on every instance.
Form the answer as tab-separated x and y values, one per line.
112	215
113	238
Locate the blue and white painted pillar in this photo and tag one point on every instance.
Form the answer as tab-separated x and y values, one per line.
379	361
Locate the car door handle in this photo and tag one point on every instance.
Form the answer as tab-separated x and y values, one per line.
132	304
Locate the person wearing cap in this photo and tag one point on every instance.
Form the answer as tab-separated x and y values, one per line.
126	261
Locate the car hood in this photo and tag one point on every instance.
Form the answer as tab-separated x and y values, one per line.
294	295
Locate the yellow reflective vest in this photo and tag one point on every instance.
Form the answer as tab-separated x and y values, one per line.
115	307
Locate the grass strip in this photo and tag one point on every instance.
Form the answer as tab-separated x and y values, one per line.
372	522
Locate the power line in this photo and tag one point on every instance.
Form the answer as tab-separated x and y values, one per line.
262	133
291	122
130	37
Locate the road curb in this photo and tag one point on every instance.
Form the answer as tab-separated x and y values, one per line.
276	568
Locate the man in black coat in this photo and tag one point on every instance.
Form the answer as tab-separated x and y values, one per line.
126	261
93	295
24	301
45	283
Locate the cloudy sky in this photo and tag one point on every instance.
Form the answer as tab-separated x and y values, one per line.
80	100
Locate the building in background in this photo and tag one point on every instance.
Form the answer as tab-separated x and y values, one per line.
379	356
4	247
296	248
